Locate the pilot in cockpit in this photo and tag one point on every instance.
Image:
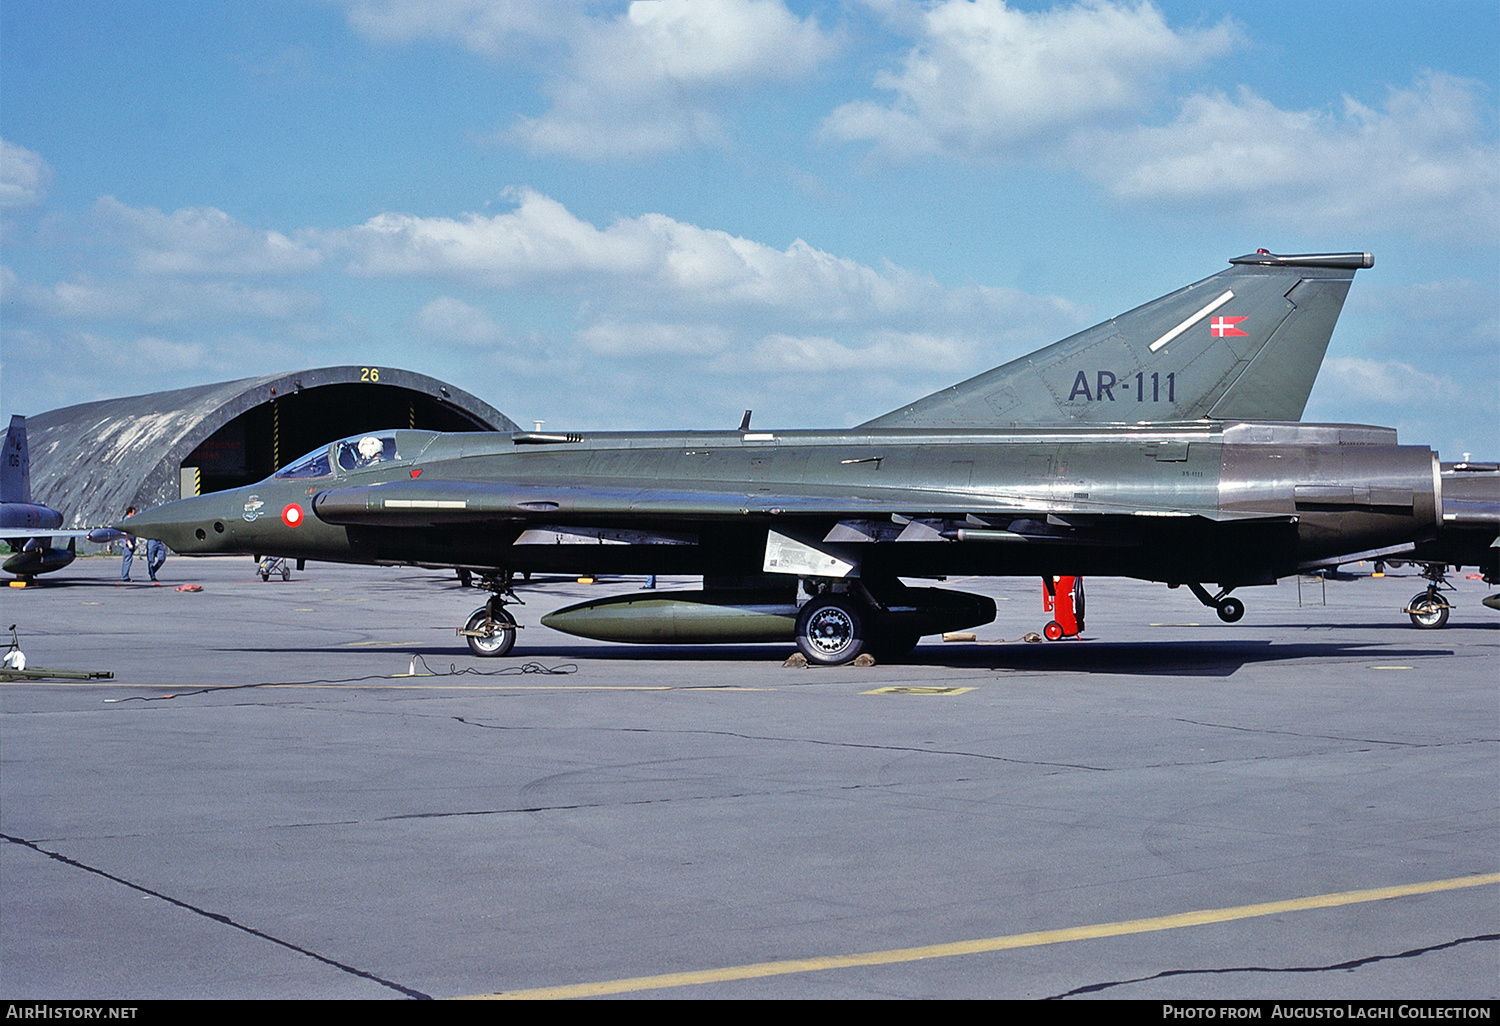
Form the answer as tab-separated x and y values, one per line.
369	449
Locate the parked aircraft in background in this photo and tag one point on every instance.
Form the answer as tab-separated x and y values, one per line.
1161	444
29	528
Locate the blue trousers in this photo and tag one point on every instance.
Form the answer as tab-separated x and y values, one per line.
156	555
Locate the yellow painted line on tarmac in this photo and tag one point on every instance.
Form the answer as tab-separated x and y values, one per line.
973	947
909	689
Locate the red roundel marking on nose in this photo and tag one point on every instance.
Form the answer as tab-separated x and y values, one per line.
292	515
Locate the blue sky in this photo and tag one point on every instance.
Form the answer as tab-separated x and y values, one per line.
604	215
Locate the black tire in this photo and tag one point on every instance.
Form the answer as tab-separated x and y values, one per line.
1230	610
490	638
1053	631
831	630
1428	612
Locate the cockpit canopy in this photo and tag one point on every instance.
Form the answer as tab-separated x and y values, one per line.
357	452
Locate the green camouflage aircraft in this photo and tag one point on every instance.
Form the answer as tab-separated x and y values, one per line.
1162	444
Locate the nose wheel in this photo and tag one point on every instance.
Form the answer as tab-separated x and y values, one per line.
491	629
1428	612
490	633
1429	609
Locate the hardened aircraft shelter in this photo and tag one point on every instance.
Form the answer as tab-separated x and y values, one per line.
93	460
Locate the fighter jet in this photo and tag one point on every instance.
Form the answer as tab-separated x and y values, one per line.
1161	444
29	528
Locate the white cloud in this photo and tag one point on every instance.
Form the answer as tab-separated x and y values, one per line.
647	264
656	295
712	42
657	77
653	78
200	240
156	300
539	240
880	352
663	300
1424	164
1391	382
23	175
984	77
667	302
446	319
640	338
68	366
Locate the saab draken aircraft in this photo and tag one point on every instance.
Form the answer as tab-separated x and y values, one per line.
1162	444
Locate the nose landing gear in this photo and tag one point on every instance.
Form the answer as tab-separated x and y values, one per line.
1429	609
491	629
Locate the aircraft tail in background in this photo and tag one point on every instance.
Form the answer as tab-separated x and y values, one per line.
15	464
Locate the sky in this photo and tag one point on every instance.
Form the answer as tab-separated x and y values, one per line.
661	214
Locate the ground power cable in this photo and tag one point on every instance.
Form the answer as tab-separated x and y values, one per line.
453	671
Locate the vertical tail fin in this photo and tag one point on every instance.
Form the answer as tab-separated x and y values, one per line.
15	464
1245	343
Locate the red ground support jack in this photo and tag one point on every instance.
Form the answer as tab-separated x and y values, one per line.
1063	598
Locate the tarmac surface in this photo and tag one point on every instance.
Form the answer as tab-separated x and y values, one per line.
264	802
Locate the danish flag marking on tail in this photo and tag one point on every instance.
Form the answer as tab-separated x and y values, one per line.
1221	327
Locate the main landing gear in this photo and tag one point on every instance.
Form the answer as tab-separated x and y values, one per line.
491	629
1429	609
831	630
1229	609
834	628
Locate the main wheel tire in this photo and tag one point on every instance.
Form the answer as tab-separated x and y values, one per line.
491	637
1428	612
1230	610
831	630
